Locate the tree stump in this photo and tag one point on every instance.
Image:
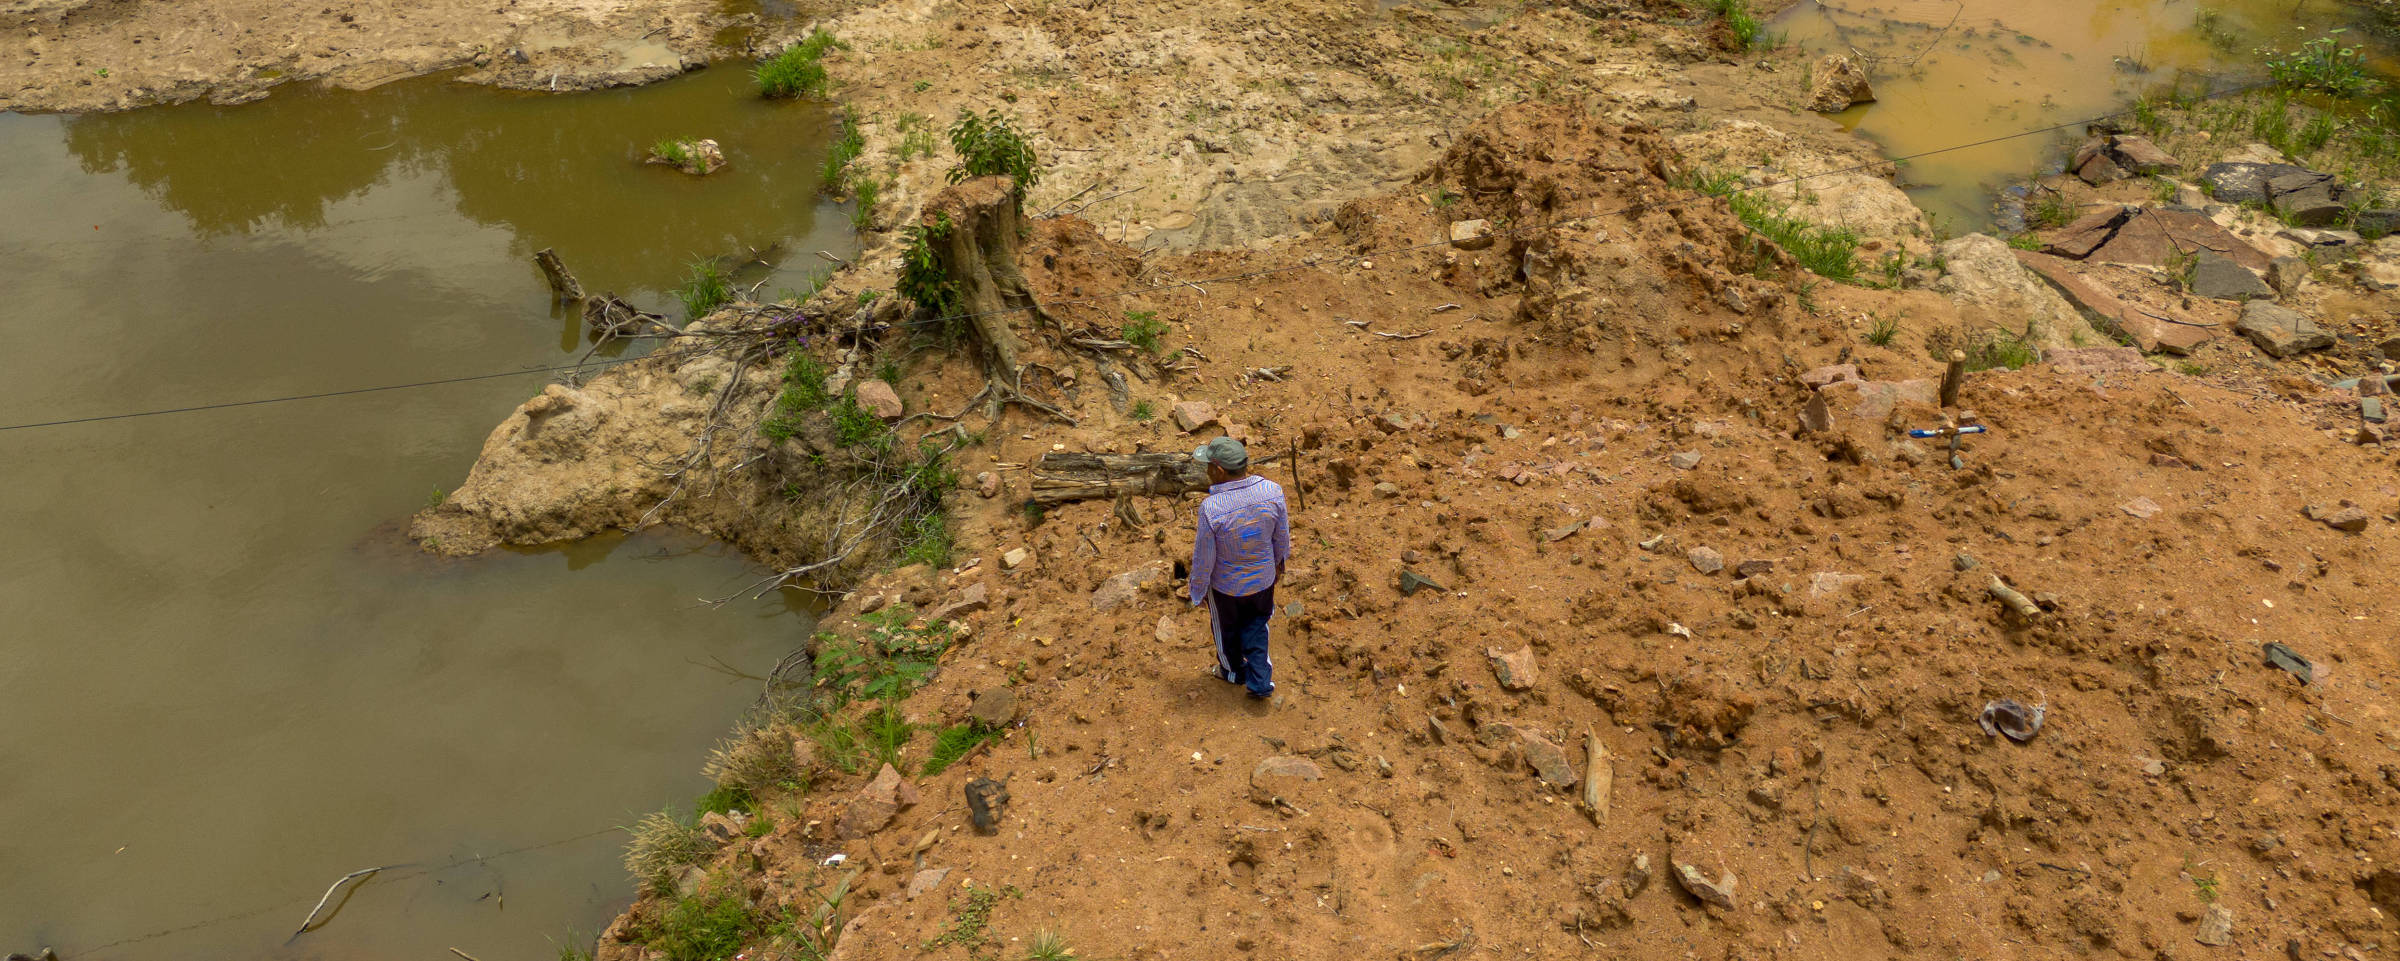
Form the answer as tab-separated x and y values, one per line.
979	253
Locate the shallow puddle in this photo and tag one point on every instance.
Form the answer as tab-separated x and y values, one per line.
1949	73
229	681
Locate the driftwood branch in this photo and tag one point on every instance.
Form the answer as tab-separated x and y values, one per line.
2024	606
308	923
562	281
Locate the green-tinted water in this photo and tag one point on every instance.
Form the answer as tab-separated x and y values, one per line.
1950	72
227	680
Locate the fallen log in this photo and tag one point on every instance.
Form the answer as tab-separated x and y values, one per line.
1062	477
562	282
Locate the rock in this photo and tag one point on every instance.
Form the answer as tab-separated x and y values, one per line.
2101	169
1859	886
2077	240
974	597
1387	489
1191	415
1685	460
2141	507
1548	761
1515	669
1015	558
2376	223
722	827
1839	372
2244	183
1828	583
1982	275
2144	325
926	882
2139	155
1438	731
1117	591
2285	274
2281	331
1718	893
1965	562
2389	348
2307	199
2322	238
690	880
1753	568
696	157
876	805
878	398
2376	276
987	484
1837	84
994	708
2161	237
1166	633
1705	560
2346	518
2218	277
1411	582
1637	874
1394	422
1863	403
2216	926
2168	461
1471	234
1283	770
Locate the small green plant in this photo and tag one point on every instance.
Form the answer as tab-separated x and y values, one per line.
1985	349
2190	368
868	296
893	657
804	393
955	742
723	799
672	152
710	925
887	731
916	136
855	426
834	177
2048	208
2324	63
101	73
2147	116
2025	241
1143	329
2205	887
436	499
922	279
662	846
573	948
970	921
1034	513
1443	198
927	540
888	372
705	288
863	196
923	85
1142	411
988	145
1741	25
799	70
1881	330
1049	946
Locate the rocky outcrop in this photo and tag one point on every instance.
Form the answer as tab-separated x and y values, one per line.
1982	276
1838	84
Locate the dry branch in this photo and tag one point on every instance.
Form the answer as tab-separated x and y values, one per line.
1598	777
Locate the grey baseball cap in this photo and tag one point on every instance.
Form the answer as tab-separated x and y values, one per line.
1224	452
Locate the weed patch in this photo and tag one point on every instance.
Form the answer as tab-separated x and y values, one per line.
705	288
1829	252
662	846
988	145
1143	329
955	742
799	70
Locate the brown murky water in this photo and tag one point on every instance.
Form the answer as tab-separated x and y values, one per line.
226	681
1949	72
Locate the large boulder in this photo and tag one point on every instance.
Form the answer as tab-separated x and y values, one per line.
2244	183
1839	84
2281	331
1983	276
2218	277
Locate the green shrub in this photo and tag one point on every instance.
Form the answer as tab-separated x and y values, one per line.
834	177
799	70
916	135
989	145
2048	208
710	925
922	279
756	759
673	152
1143	329
804	393
1741	25
892	658
2325	64
864	195
1882	330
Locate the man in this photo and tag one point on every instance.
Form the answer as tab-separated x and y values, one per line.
1237	559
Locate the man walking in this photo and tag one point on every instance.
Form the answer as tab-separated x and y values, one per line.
1237	559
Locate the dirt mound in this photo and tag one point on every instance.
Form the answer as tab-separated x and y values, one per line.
1780	637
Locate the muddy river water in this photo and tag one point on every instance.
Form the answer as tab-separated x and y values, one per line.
1949	72
225	678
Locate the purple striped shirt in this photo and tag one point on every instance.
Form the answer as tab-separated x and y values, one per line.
1245	533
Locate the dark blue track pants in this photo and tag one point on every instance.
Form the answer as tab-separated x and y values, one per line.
1241	629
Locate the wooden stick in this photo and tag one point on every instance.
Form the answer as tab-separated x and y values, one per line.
337	884
465	955
1598	777
1953	377
1297	489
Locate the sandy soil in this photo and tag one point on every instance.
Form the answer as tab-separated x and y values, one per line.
1808	727
86	55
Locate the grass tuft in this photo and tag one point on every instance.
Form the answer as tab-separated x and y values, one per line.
1829	252
705	288
662	846
799	70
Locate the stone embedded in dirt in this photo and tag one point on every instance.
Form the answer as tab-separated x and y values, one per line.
890	787
1706	560
2244	183
1964	562
1637	874
1865	403
1827	583
1166	633
974	598
2281	331
1015	558
1822	376
2168	461
2322	239
2141	507
2150	327
2139	155
2218	277
2376	276
1685	460
1837	84
2285	274
1411	582
2158	237
987	484
1515	669
1387	489
876	805
1284	769
722	827
1548	761
1394	422
878	398
1117	591
2077	240
2216	926
1718	893
1191	415
2101	169
1471	234
2307	198
1753	568
926	882
2344	518
996	707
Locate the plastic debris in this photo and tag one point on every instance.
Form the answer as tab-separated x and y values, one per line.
2018	722
836	859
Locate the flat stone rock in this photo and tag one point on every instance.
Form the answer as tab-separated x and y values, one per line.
996	707
926	882
1471	234
1706	560
2150	329
1829	583
1864	402
1015	558
1548	762
2216	926
1516	670
2140	156
2077	240
2242	182
1284	769
1717	893
2349	520
2285	274
1753	568
2141	507
2160	236
1830	375
2377	222
2217	277
878	398
2100	169
974	597
1191	415
1684	460
2315	206
1122	589
2281	331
